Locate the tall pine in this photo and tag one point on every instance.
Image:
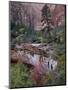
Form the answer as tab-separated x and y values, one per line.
46	20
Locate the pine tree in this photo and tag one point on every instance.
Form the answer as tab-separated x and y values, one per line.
46	18
47	24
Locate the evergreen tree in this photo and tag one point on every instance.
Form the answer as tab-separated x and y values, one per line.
47	24
46	18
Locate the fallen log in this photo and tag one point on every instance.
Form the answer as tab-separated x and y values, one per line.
32	49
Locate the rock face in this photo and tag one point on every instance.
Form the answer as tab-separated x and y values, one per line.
58	15
30	14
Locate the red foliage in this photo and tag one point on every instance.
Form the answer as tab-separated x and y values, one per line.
36	75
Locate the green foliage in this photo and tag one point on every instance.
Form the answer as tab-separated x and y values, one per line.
20	76
20	34
57	41
59	54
